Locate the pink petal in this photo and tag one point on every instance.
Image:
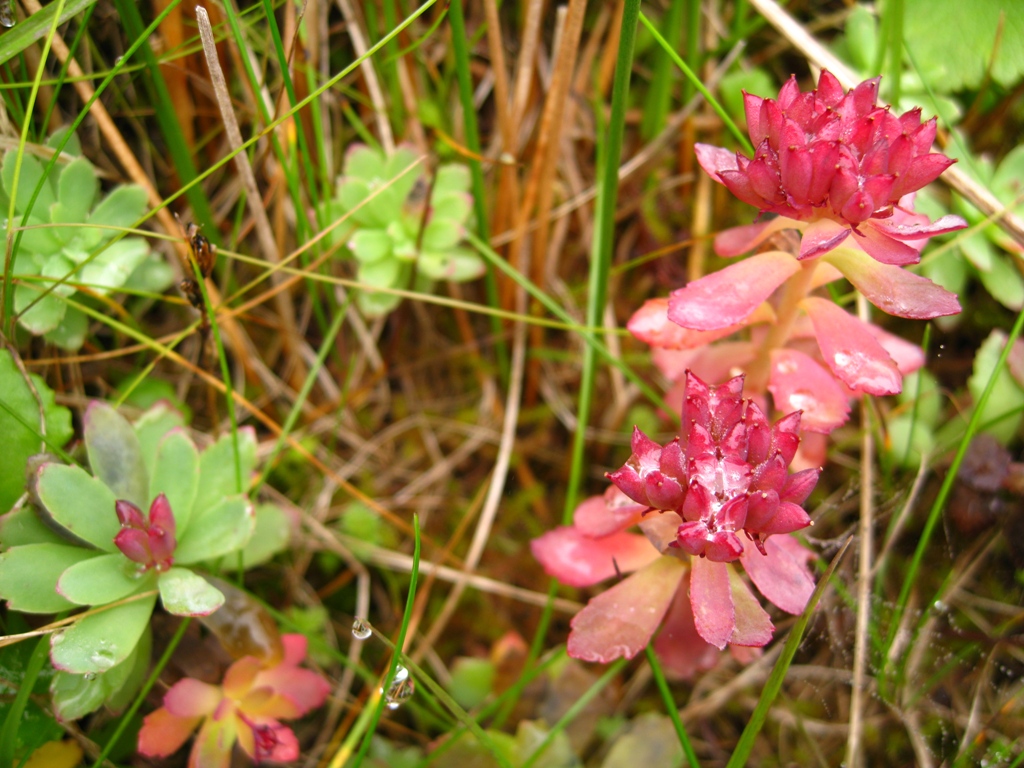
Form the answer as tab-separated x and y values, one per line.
295	647
160	515
798	383
739	240
713	612
730	295
620	621
304	688
128	514
660	529
782	575
908	357
753	626
162	733
651	325
681	650
851	351
822	236
213	745
241	676
603	515
579	561
892	289
192	698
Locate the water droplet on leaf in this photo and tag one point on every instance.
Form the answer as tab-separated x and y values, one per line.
400	689
103	658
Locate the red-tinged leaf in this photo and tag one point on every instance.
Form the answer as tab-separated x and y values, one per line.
892	289
192	698
729	296
798	383
714	160
822	236
851	351
713	612
681	650
651	325
908	357
602	515
739	240
782	575
162	734
881	247
753	626
621	621
579	561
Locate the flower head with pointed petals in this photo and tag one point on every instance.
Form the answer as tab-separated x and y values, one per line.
726	475
150	543
838	161
247	708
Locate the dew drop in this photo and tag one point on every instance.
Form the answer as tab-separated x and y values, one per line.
7	18
89	676
56	639
361	630
118	60
401	688
102	658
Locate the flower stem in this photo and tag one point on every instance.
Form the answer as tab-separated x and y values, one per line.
796	290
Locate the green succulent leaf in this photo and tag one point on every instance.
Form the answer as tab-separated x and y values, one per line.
352	192
153	275
115	454
370	245
364	163
114	264
457	264
1004	283
30	177
397	167
1002	415
269	536
23	526
73	147
386	273
20	427
29	574
455	206
70	331
217	473
216	532
441	234
101	580
150	429
39	239
377	304
184	593
124	206
76	192
102	640
450	179
176	475
37	312
80	503
75	696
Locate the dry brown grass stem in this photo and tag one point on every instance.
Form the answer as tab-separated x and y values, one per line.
264	231
978	194
380	107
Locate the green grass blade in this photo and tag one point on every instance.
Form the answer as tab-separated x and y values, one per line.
35	27
670	706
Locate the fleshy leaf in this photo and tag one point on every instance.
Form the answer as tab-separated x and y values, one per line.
651	325
101	641
851	351
729	296
20	442
101	580
28	576
151	427
79	502
75	696
270	535
176	474
798	383
23	526
603	515
77	190
754	627
218	531
579	561
782	576
892	289
184	593
711	597
115	455
621	620
681	649
217	473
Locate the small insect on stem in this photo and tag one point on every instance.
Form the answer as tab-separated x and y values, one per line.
203	258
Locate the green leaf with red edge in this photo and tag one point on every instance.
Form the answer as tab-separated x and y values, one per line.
216	532
184	593
115	455
75	696
100	641
29	574
217	469
176	474
79	502
104	579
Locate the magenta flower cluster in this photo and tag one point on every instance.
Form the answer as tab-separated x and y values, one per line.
150	543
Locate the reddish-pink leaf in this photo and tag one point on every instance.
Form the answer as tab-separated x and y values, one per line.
602	515
729	296
621	621
713	611
579	561
798	383
822	236
714	160
739	240
681	650
851	351
782	575
892	289
650	324
882	247
753	626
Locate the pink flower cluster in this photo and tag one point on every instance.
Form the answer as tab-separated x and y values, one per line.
150	543
829	165
719	493
247	708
